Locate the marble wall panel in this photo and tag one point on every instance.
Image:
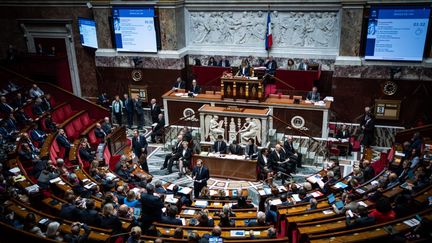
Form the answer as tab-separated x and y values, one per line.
351	25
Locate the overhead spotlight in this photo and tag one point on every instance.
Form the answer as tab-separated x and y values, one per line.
89	5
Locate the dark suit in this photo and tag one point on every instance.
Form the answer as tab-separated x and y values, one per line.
220	146
368	122
50	125
138	144
139	112
212	63
359	222
171	220
46	104
37	109
271	67
175	155
6	108
344	134
155	110
179	85
90	217
262	163
129	109
235	149
64	142
151	209
250	150
201	176
158	129
186	156
100	133
111	222
69	212
103	100
224	63
244	72
37	135
290	152
85	154
22	118
195	90
106	127
313	97
18	103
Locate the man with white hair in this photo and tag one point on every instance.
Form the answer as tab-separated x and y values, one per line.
261	220
155	110
195	89
106	126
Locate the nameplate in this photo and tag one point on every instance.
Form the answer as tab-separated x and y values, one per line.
234	108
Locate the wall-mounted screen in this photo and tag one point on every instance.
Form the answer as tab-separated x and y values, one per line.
134	29
87	30
397	33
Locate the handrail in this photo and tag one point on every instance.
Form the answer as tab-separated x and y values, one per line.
280	80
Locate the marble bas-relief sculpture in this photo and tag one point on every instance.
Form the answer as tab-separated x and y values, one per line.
248	28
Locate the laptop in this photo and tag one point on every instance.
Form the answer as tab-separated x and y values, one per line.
339	205
331	198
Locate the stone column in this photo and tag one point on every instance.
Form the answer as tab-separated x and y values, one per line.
171	22
101	12
350	36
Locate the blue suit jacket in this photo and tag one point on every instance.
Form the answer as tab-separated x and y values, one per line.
62	141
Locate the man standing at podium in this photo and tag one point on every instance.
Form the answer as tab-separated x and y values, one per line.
200	175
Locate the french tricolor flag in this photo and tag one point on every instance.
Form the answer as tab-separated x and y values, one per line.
269	38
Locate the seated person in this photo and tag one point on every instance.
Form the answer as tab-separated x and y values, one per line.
383	211
103	100
260	221
242	203
224	62
37	135
184	159
158	129
251	149
86	152
109	220
22	118
291	65
195	89
35	92
179	84
5	108
89	215
219	145
50	124
107	126
63	142
344	133
170	217
360	219
18	101
304	65
99	132
244	69
212	62
271	66
37	108
235	148
313	95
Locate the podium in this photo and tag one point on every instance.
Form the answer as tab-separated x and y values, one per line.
236	87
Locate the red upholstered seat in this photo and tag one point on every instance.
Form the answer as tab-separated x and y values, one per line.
55	146
70	131
93	140
110	160
83	163
78	126
355	144
53	154
60	115
52	101
67	110
42	123
28	111
85	119
270	89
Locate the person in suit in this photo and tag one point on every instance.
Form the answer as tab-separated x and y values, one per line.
37	135
151	207
179	84
68	210
270	66
109	220
46	102
291	152
224	62
63	141
99	132
251	149
184	158
5	108
11	123
37	108
139	111
174	155
235	148
75	233
367	125
212	62
50	124
219	145
106	126
313	95
368	170
360	219
200	175
89	215
155	110
263	161
195	89
244	69
85	152
304	65
35	92
129	109
117	109
344	133
18	101
159	128
22	118
103	100
170	218
139	143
